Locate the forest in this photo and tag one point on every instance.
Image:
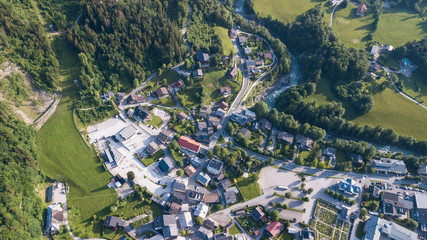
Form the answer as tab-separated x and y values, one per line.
23	40
20	207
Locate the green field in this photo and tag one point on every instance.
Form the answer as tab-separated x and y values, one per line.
155	121
415	86
170	76
226	43
350	29
166	101
391	110
249	187
63	155
398	26
283	10
152	159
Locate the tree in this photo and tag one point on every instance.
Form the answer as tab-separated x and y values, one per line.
174	144
261	109
131	175
180	172
274	215
229	144
365	197
299	161
209	154
363	213
310	190
271	161
288	195
373	206
198	220
230	129
217	150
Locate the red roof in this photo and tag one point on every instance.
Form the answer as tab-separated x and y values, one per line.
188	143
257	232
361	9
274	228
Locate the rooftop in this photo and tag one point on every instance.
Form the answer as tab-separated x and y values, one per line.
128	132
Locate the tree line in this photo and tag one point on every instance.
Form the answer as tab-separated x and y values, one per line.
416	51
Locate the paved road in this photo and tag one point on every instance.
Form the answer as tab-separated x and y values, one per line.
333	10
184	30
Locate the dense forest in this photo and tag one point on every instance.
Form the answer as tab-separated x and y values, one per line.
60	14
121	43
20	207
23	40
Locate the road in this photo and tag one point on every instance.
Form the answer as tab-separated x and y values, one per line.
184	30
333	10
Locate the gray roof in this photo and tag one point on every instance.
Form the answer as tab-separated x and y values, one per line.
215	164
179	186
185	220
422	170
284	136
128	132
421	200
169	219
376	228
230	197
390	165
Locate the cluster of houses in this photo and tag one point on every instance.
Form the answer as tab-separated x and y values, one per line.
211	118
55	214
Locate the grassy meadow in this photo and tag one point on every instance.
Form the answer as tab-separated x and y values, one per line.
226	43
63	155
415	86
399	26
249	187
283	10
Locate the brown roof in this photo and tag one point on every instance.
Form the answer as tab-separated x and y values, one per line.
223	105
234	72
164	135
182	116
266	55
225	90
190	170
137	98
211	198
152	148
361	9
162	91
274	228
246	132
284	136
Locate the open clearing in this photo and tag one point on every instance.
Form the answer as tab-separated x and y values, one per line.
398	26
249	187
283	10
226	43
63	155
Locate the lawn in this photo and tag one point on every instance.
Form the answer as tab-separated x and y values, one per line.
63	155
359	230
415	86
234	230
283	10
132	207
152	159
166	101
350	29
226	43
399	26
391	110
155	121
170	76
249	187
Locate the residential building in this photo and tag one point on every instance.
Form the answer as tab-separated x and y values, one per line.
258	214
266	55
243	39
170	231
190	170
107	96
220	113
194	197
374	191
173	205
204	111
165	136
357	159
420	212
179	186
223	105
202	136
250	64
202	126
210	223
201	210
178	85
214	166
152	148
130	112
388	48
349	186
387	165
361	10
128	132
225	91
203	58
205	233
250	115
203	178
395	206
189	144
119	97
182	116
422	170
241	236
232	33
165	166
195	161
248	50
114	222
265	124
230	196
142	113
185	220
274	228
233	72
304	142
379	229
246	133
54	218
285	137
213	121
375	52
113	155
211	198
197	74
259	62
225	183
162	92
135	99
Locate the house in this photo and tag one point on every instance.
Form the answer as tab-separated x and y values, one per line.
375	52
202	126
230	196
185	220
119	98
304	142
422	170
210	130
223	105
374	191
107	96
114	222
165	136
130	112
197	74
357	159
379	229
212	224
202	136
189	144
49	193
266	55
265	124
259	62
194	197
246	133
220	113
211	198
203	58
388	48
251	116
195	161
349	186
128	132
201	210
113	155
225	91
190	170
182	116
225	183
395	206
203	178
213	121
361	10
214	166
204	111
420	212
274	228
162	92
387	165
142	113
165	166
243	39
135	99
179	186
232	33
285	137
250	64
307	234
170	230
178	85
258	214
54	218
233	72
373	67
248	50
152	148
205	233
173	206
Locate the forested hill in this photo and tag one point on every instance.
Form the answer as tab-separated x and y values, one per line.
23	40
121	42
20	207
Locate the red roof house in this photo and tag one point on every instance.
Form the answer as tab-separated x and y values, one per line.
189	144
274	228
361	9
